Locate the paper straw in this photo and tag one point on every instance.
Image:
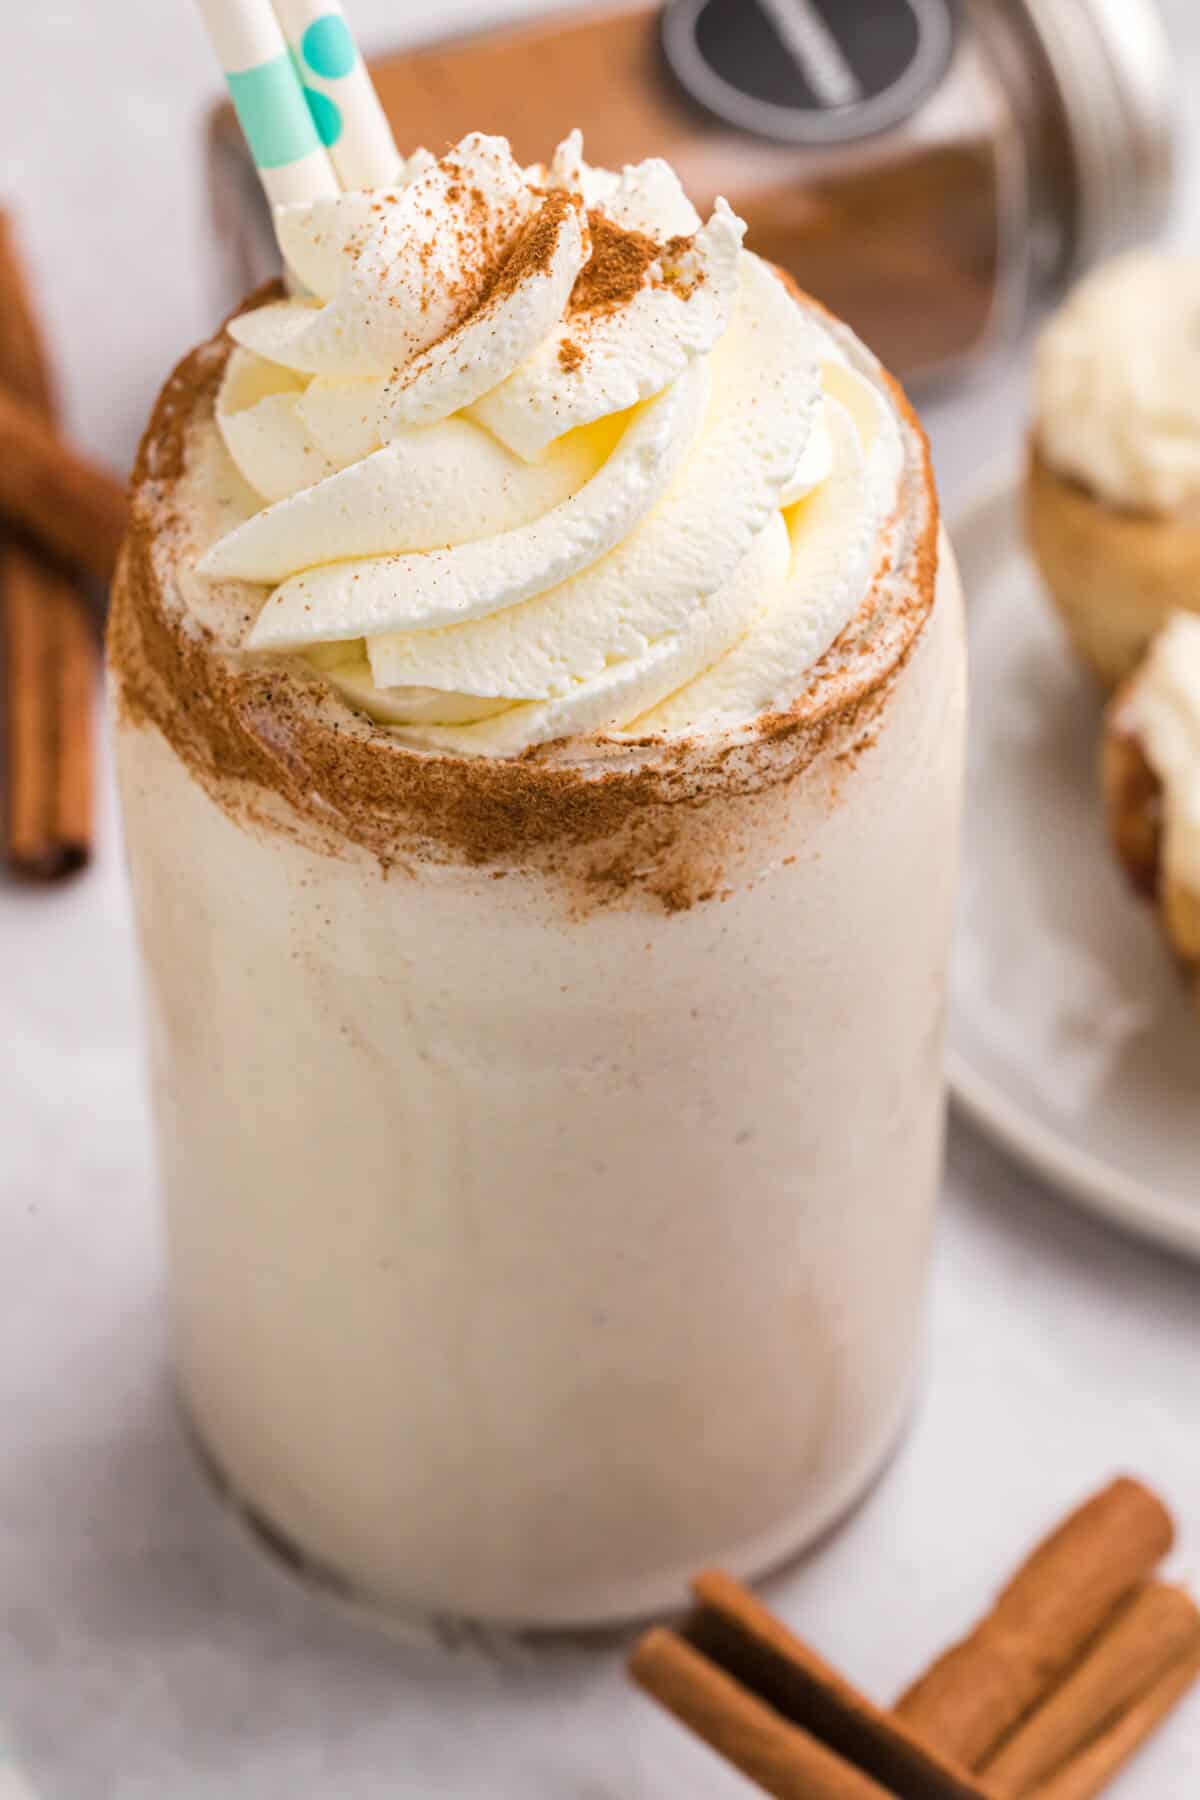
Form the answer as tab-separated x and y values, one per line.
270	101
349	120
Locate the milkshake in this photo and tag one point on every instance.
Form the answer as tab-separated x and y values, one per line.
539	715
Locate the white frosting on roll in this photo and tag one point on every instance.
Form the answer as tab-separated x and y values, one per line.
542	453
1117	383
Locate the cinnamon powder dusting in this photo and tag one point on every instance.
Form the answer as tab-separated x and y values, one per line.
529	252
621	263
648	822
486	237
616	269
532	250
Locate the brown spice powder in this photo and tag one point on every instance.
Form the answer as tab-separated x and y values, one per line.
485	237
532	250
617	268
269	739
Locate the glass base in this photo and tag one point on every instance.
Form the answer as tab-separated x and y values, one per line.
641	1603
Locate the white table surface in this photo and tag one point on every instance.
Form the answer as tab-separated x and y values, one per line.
147	1652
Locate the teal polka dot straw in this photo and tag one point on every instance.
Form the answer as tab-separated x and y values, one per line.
305	102
345	108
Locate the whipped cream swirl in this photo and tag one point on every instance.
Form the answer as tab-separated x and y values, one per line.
539	452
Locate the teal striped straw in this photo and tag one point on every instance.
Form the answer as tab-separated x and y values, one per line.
269	96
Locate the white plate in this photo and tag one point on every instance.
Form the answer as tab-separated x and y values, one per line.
1072	1039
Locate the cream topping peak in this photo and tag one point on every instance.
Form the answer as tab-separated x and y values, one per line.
541	442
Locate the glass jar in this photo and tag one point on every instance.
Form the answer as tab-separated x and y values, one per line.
549	1144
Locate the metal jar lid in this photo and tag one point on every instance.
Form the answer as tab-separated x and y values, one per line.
1111	64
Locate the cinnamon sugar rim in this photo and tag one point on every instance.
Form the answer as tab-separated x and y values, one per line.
274	723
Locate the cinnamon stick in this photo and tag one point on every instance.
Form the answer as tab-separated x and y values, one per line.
47	657
49	664
24	363
780	1757
733	1629
1089	1773
49	490
973	1695
1150	1635
1080	1654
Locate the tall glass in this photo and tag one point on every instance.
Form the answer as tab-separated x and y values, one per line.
547	1209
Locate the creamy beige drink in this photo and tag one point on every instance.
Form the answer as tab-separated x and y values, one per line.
540	730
